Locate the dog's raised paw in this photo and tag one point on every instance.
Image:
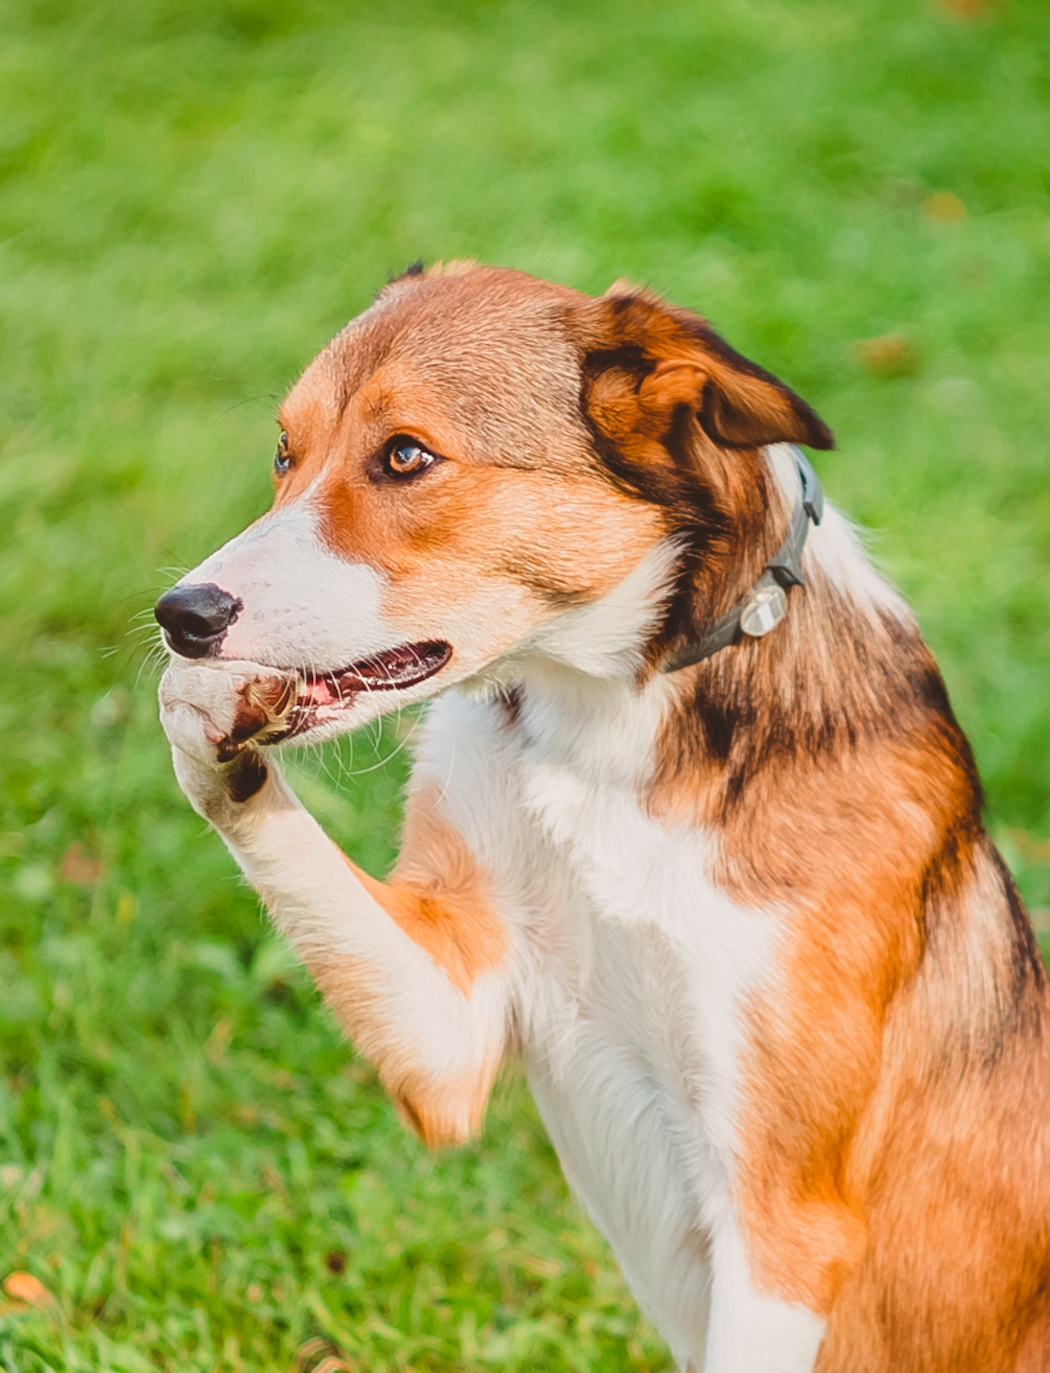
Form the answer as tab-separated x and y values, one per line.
215	721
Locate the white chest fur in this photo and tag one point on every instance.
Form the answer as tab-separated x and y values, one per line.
632	970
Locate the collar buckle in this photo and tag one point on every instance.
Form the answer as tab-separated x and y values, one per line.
766	603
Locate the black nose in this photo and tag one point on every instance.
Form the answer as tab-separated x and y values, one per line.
195	618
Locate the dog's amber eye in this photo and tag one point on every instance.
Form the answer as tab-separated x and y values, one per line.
406	458
282	462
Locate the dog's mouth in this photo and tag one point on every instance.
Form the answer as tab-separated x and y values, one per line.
323	695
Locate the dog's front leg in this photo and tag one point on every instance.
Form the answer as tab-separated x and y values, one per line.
416	967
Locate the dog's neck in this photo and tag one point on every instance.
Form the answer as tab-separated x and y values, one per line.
587	697
582	695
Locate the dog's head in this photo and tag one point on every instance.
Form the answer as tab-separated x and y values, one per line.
473	469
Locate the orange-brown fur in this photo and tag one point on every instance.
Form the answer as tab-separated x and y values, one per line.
441	900
853	803
439	897
441	1111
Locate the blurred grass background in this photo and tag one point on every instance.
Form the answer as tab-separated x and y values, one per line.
195	195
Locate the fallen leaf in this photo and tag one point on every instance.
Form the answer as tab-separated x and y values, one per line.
888	355
78	868
963	9
25	1288
311	1349
944	207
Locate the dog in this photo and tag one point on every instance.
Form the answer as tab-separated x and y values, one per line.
692	829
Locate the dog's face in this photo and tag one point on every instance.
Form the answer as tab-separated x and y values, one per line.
476	457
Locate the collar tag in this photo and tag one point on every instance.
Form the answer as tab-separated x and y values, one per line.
764	611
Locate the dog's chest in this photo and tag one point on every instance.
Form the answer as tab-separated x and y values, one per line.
634	899
634	1050
614	914
634	971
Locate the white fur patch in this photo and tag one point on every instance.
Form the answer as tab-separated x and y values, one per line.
605	639
834	548
316	900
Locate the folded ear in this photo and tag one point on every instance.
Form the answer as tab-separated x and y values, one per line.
643	361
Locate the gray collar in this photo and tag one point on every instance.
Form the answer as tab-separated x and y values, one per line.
765	605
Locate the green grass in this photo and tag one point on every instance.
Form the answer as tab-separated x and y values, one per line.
194	196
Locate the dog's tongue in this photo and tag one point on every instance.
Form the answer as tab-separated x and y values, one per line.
320	691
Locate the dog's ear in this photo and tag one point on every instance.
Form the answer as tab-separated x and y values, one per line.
643	361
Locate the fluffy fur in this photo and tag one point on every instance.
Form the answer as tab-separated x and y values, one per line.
773	988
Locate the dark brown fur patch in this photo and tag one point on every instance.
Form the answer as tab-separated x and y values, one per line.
770	704
1028	972
510	702
246	776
